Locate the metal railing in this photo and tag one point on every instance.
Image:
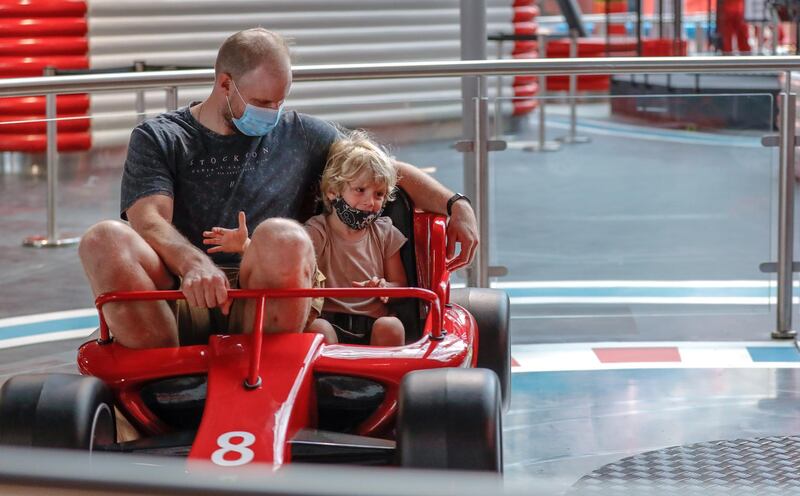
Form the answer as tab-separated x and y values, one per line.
86	83
171	80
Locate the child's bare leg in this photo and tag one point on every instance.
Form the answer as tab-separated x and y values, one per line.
322	326
388	331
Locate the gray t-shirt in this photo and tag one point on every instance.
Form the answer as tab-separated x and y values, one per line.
211	177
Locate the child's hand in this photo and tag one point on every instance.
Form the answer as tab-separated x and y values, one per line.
375	282
228	240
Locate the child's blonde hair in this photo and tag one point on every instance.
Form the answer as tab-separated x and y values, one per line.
349	157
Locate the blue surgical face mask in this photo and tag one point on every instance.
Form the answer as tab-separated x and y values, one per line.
254	121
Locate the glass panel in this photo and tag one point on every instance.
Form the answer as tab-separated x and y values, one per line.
92	151
665	207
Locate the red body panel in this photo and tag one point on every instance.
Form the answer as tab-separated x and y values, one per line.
272	413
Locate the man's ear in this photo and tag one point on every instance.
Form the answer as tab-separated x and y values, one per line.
224	82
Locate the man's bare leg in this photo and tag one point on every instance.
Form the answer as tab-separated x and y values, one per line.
116	258
280	256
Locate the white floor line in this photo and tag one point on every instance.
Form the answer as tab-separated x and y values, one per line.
46	317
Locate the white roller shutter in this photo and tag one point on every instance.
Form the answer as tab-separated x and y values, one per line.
189	32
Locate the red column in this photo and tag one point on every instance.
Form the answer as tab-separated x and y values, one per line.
524	22
35	34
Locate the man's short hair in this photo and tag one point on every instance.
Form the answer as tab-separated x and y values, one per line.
246	50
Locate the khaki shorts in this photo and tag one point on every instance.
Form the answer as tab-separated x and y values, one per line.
196	324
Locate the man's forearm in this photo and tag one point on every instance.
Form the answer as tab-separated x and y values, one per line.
426	193
174	249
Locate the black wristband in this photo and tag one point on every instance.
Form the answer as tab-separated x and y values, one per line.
452	200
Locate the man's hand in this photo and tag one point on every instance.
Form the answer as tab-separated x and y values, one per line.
228	240
462	228
206	286
375	282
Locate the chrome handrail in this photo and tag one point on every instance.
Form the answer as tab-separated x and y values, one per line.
86	83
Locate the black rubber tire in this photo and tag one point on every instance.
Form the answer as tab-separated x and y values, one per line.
56	411
450	419
491	310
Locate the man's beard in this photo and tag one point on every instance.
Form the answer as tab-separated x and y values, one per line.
227	118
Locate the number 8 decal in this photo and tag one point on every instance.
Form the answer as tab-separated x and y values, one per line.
246	455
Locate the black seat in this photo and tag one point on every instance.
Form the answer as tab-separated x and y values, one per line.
401	211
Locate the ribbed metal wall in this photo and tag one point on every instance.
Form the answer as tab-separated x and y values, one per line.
189	32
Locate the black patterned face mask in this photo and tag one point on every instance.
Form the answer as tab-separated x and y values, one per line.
352	217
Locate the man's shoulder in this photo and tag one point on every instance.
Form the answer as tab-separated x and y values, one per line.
313	125
167	123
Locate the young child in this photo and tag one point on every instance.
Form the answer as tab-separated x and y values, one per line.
354	245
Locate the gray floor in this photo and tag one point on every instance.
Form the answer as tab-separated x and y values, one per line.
635	204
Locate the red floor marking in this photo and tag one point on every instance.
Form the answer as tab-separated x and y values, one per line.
627	355
514	363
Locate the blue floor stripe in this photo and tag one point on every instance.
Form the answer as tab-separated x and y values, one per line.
700	138
57	325
73	323
774	354
640	292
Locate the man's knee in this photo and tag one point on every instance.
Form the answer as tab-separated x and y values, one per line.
281	252
100	236
285	234
112	251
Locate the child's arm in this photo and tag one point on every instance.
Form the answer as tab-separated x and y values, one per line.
395	276
228	240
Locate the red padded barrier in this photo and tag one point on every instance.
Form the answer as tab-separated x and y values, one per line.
42	8
525	14
522	107
526	90
55	26
61	45
34	66
524	48
35	105
35	34
67	142
523	80
526	28
34	124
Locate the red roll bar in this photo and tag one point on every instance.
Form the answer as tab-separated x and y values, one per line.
253	380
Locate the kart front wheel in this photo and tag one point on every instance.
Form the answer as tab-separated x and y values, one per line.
56	411
450	419
491	310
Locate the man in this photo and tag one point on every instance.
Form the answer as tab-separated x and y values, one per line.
197	167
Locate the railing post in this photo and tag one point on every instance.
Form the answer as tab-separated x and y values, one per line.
138	66
786	213
482	187
543	95
172	98
473	47
572	137
51	116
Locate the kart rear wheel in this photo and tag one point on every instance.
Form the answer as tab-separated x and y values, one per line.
450	419
56	411
491	310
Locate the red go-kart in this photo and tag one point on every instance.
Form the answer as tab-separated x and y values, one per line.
277	398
